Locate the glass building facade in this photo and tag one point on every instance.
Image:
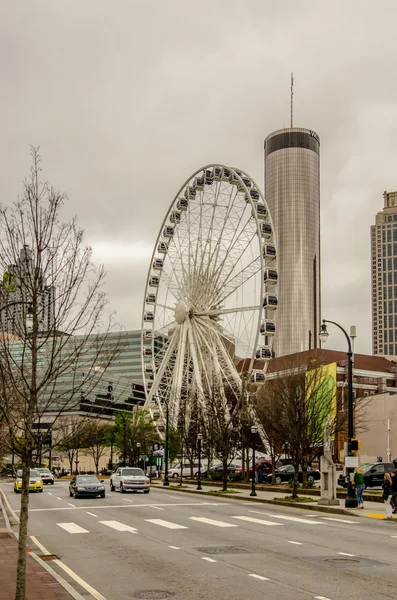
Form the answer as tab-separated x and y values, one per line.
292	191
384	277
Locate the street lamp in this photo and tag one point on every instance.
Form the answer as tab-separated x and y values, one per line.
199	438
166	482
254	430
138	445
351	500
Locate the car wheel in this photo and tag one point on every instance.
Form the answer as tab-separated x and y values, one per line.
102	495
278	480
15	490
112	488
52	483
41	491
196	474
146	491
175	475
71	494
310	479
75	495
122	490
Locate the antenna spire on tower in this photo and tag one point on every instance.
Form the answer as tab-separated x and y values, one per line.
292	98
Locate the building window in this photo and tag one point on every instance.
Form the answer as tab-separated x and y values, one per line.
385	335
391	337
389	235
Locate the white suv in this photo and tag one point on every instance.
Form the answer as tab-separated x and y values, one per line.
186	471
129	479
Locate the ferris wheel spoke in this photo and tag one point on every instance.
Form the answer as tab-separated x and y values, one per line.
238	280
172	286
227	311
159	374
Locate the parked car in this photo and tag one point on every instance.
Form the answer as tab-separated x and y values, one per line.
373	474
286	473
129	479
267	467
216	472
35	481
86	485
46	475
186	470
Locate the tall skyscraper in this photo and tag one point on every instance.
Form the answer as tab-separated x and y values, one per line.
292	191
15	297
384	277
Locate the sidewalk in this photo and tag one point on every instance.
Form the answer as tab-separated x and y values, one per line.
40	584
374	510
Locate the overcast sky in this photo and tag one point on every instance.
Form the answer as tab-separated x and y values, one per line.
127	98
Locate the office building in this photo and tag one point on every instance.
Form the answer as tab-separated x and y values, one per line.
292	191
384	278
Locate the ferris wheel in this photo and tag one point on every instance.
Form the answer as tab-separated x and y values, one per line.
211	290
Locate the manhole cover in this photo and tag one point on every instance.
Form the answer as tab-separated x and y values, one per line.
153	595
223	550
342	561
124	552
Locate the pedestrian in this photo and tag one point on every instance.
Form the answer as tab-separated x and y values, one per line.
393	500
261	467
387	494
359	484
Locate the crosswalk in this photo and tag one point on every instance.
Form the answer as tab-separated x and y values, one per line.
233	521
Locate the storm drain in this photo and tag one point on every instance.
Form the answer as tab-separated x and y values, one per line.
223	550
152	595
47	557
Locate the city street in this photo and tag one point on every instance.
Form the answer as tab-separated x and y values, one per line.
170	544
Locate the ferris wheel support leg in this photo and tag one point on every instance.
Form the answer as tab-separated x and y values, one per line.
161	371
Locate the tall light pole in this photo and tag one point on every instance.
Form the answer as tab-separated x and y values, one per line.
138	445
166	482
351	500
199	438
254	431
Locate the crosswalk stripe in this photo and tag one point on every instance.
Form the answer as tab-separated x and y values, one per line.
72	528
166	524
119	526
296	519
212	522
260	521
339	520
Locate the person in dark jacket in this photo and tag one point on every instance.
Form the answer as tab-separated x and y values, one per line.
393	500
359	484
387	485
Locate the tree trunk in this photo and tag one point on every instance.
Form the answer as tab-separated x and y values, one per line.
23	535
304	472
224	474
273	472
295	480
181	475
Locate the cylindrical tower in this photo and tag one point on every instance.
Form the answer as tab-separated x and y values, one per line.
292	191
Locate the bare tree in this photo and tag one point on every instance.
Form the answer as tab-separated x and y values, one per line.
267	410
97	441
71	435
51	306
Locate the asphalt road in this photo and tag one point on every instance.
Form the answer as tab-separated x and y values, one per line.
186	547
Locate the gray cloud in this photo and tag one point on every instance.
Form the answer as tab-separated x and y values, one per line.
126	99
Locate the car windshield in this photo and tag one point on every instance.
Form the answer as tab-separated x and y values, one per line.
367	467
87	479
45	471
135	472
33	473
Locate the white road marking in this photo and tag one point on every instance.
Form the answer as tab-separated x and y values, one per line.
36	541
321	598
296	543
174	547
393	536
157	507
339	520
296	519
260	521
208	559
212	522
74	506
58	498
92	514
107	506
127	500
49	493
167	524
119	526
346	554
94	593
176	497
72	528
255	576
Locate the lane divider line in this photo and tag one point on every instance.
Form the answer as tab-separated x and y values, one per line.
255	576
296	543
92	514
346	554
208	559
174	547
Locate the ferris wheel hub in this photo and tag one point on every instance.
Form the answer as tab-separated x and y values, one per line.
180	313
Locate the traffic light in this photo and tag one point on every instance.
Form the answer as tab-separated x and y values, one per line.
354	445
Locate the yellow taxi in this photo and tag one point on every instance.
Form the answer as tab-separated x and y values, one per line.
35	481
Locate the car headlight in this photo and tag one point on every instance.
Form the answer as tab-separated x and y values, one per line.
147	482
101	487
80	489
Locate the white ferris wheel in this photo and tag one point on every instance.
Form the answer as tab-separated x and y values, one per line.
211	291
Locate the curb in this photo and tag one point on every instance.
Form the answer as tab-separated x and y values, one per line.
67	586
303	506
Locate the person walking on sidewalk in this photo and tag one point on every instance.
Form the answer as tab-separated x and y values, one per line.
359	485
393	500
387	485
